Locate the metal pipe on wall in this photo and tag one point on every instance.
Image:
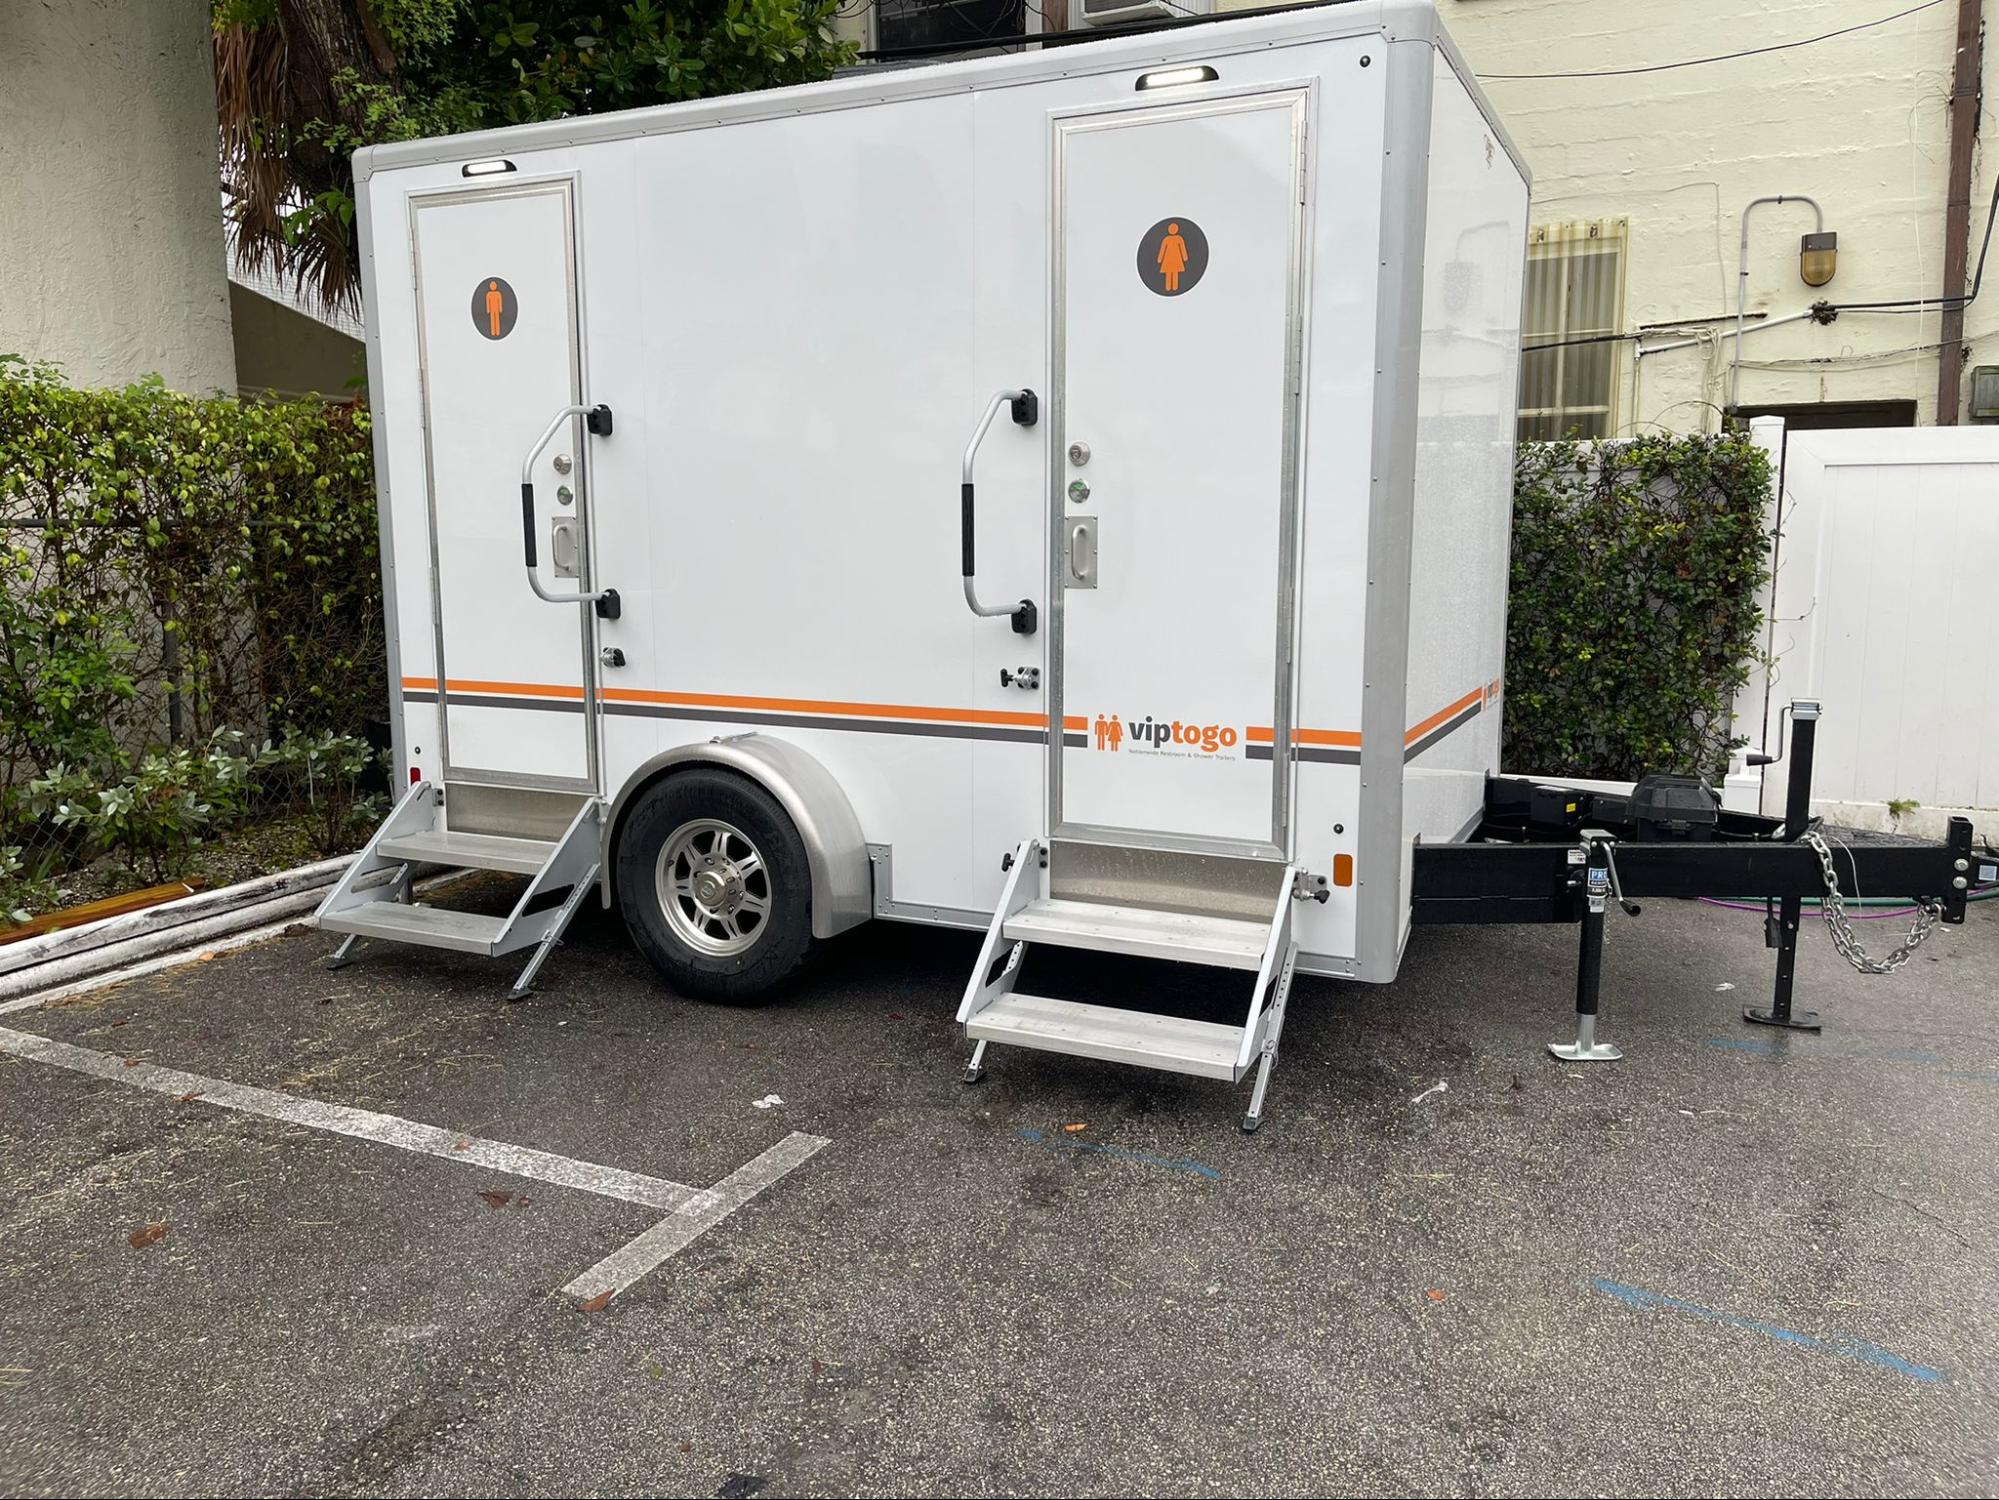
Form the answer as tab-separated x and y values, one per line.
1742	283
1957	205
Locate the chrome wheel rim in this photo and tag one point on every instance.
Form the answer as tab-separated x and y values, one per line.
714	887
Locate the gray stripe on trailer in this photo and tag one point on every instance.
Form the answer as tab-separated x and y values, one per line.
786	721
1327	755
1441	731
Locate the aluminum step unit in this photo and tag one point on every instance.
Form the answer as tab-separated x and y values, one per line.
1092	904
374	899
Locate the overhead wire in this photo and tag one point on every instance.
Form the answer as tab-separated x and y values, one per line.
1696	62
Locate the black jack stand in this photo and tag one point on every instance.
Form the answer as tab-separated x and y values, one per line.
1589	964
1782	929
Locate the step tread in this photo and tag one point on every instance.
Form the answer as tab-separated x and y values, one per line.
1147	932
425	926
1205	1048
470	851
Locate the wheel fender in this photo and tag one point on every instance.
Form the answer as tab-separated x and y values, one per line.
836	852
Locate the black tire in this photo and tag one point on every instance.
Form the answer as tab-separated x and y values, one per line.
781	935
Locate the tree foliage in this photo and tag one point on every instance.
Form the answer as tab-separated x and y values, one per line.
1634	608
301	84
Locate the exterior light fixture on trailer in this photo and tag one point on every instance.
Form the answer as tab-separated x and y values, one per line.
492	168
1167	78
1818	257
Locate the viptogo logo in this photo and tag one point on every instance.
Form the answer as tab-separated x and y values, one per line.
1151	734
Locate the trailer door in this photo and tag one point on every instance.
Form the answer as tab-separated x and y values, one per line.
1177	297
497	300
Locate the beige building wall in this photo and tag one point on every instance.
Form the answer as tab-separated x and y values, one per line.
111	254
1858	122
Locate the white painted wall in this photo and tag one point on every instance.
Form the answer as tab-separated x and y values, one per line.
1858	122
1887	553
111	256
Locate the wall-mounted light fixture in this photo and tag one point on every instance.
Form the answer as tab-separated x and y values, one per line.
1166	78
1818	257
491	168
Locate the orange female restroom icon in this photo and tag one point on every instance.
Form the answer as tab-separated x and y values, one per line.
1172	257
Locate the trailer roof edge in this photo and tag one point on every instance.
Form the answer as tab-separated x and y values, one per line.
1397	20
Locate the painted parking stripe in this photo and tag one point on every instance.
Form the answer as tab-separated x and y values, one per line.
632	1260
361	1124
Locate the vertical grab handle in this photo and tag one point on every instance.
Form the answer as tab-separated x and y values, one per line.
1026	411
598	420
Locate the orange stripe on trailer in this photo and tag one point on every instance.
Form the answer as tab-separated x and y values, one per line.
1263	734
830	707
1418	731
724	701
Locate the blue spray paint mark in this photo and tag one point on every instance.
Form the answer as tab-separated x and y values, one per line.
1837	1343
1735	1046
1975	1077
1097	1148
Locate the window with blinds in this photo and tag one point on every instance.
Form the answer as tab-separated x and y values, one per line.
1575	294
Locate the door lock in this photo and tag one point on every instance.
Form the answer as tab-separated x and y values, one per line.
1028	678
612	656
563	463
1079	454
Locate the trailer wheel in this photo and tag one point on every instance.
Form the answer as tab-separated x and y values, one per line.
714	886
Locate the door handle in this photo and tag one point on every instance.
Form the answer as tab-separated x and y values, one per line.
598	420
1081	553
1026	409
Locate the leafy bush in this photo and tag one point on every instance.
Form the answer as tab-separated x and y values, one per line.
174	570
157	814
170	565
1634	606
323	776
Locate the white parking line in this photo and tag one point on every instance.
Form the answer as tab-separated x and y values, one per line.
671	1235
693	1211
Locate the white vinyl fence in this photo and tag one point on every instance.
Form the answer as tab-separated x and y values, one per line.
1885	608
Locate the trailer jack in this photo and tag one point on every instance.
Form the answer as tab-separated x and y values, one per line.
1551	853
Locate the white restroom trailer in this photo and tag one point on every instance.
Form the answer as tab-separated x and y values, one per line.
1063	495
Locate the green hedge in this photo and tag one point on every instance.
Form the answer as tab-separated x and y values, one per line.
172	567
1634	609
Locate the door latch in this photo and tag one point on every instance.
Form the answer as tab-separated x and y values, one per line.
612	656
1028	678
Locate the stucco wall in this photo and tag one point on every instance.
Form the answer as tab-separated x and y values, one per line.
1858	122
111	253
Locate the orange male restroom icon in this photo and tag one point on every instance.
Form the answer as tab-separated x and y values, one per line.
494	307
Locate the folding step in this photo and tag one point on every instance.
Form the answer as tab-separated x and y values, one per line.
1144	932
1203	1048
469	851
427	926
1225	911
373	898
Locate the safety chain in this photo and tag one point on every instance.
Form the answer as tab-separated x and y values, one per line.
1833	909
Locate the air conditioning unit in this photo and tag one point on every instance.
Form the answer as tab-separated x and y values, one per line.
1119	12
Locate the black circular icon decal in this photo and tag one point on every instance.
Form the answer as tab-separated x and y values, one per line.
1172	256
494	308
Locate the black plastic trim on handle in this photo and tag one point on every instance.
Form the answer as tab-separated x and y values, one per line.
965	524
527	519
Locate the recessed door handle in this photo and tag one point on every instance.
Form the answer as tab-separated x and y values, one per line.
1082	553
